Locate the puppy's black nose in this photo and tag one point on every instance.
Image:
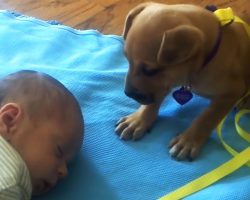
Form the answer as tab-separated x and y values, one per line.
141	98
134	94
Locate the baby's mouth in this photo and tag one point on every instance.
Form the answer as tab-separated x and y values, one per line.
46	186
43	187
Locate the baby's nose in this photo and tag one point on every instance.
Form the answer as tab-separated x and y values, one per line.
62	171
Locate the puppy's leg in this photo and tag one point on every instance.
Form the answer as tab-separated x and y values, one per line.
188	144
135	125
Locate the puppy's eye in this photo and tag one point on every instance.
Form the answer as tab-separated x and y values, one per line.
149	72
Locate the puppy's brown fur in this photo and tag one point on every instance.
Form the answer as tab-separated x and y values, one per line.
166	46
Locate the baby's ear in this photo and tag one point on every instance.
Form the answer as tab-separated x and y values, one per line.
10	114
179	44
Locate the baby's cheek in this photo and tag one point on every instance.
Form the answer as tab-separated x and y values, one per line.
50	169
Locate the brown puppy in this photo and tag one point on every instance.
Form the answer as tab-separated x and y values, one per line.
183	45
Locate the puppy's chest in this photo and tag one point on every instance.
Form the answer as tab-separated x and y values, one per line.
203	91
211	85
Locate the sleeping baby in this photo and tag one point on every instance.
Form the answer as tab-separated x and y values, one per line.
41	131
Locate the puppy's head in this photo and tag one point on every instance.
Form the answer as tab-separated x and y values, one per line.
160	47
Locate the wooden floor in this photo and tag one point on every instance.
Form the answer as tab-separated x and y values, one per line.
107	16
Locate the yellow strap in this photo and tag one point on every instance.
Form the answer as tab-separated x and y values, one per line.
244	134
225	16
219	133
240	131
247	27
225	169
211	177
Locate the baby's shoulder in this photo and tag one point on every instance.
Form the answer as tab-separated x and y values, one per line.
13	173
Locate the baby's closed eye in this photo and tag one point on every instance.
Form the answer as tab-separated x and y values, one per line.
59	151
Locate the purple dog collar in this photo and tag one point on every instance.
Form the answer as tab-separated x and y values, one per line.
210	56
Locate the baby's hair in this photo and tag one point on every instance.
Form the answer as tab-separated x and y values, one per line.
40	94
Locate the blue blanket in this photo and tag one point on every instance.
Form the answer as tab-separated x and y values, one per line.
93	67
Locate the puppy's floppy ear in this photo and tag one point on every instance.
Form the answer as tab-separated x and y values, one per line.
130	17
179	44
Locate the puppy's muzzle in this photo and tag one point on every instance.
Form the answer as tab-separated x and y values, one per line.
138	96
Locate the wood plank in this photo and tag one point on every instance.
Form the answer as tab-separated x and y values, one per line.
111	19
107	16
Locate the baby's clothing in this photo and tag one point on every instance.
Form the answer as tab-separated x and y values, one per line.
15	182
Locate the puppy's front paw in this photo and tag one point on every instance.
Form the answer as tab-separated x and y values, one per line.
134	126
187	146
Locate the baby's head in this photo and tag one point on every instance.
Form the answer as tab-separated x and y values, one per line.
42	120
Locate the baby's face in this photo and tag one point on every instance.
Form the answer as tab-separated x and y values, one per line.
47	149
